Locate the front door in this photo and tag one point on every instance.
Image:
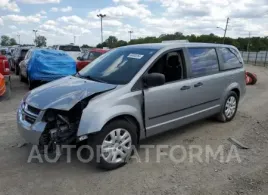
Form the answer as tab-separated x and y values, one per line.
167	106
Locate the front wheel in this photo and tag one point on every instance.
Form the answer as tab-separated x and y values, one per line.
22	78
114	144
229	108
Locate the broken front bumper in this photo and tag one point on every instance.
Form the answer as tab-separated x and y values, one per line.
30	132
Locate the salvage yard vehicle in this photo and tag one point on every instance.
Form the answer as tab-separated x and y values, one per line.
2	85
5	69
43	65
88	57
73	50
18	55
131	93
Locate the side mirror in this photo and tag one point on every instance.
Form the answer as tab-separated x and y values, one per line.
79	58
154	79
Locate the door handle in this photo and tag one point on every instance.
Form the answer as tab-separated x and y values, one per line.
198	84
185	87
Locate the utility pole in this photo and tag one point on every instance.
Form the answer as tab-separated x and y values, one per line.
101	16
225	30
248	42
19	38
130	32
74	39
35	31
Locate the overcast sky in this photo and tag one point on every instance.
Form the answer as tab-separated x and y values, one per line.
60	20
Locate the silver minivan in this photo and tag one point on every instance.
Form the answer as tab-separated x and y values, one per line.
131	93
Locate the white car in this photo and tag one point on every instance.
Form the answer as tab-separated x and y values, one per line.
73	50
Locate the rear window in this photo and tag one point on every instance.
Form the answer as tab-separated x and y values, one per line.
231	58
204	61
69	48
24	52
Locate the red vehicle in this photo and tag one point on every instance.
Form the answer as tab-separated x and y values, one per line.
4	74
89	57
2	85
4	67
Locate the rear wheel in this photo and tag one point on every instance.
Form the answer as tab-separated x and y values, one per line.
114	144
229	108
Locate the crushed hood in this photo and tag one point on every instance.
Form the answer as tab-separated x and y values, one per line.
65	93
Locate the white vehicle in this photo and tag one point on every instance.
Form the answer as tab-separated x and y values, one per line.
73	50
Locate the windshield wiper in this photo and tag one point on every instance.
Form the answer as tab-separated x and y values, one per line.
89	78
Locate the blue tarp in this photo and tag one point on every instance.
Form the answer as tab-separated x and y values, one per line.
49	65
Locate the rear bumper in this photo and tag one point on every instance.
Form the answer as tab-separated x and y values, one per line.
30	132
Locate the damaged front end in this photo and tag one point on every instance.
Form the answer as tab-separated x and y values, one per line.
62	127
50	115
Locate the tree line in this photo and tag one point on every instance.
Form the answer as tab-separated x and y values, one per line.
40	41
243	44
253	43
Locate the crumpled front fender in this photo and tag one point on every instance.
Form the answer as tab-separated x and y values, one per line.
92	122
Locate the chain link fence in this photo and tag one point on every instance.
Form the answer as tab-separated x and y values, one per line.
257	58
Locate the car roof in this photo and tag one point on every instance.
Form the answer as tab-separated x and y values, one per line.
99	50
68	45
25	48
170	45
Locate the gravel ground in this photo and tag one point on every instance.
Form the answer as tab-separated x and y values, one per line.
250	176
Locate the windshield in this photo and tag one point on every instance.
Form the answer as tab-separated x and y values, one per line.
69	48
118	66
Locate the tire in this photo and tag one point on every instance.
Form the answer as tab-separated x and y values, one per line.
17	69
22	78
127	129
31	84
223	115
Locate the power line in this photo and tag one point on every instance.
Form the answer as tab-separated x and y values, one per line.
101	16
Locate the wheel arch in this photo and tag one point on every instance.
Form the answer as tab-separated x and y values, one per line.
236	90
129	118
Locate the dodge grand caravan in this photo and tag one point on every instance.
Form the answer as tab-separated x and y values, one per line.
131	93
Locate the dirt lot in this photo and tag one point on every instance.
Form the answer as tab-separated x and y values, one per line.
250	127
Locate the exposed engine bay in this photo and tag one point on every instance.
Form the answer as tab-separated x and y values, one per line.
62	127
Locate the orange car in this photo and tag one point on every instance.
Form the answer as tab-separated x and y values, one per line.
2	85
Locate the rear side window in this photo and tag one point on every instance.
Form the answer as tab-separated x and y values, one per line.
69	48
231	59
204	61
